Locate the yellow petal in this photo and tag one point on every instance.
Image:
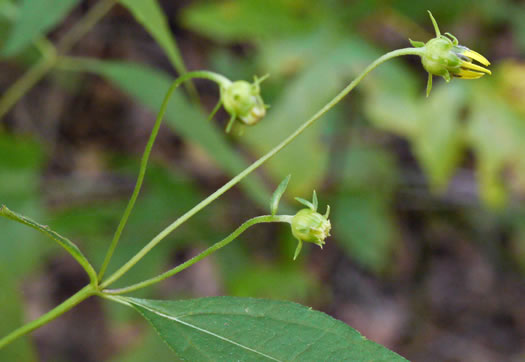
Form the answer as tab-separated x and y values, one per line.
476	56
469	65
468	74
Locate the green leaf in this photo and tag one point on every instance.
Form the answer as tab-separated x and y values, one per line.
246	20
279	191
149	87
439	141
366	229
36	17
292	281
21	249
232	328
149	14
483	133
12	307
70	247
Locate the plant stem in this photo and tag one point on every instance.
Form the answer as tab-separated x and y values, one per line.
145	157
84	25
202	255
157	239
48	61
69	303
24	84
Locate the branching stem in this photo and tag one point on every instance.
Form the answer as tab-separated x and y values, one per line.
182	219
234	235
145	157
69	303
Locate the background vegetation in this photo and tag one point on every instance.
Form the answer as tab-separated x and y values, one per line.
427	255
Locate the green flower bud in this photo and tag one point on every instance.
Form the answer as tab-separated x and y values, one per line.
444	57
243	101
310	226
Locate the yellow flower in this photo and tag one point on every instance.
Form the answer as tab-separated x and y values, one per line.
444	57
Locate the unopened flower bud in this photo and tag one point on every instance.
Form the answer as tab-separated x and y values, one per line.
310	226
243	101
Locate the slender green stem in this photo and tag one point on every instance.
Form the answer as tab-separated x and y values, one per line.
205	253
24	84
49	60
69	303
145	157
84	25
157	239
178	63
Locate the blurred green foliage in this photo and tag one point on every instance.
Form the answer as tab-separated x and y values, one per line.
311	49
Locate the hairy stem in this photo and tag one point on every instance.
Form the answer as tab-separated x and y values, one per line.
157	239
145	157
69	303
220	244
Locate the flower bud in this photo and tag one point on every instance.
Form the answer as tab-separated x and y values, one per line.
310	226
444	57
243	101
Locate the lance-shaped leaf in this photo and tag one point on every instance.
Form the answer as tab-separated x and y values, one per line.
150	15
248	329
279	191
67	244
35	18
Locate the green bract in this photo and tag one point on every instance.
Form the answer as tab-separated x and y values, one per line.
444	57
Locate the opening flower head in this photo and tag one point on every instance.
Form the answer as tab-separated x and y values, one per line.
243	101
444	57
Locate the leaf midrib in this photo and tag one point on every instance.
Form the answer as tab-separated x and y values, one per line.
200	329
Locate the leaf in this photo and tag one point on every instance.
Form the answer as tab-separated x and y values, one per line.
21	251
366	229
149	87
246	20
279	191
248	329
283	282
70	247
439	141
35	17
12	307
492	122
363	219
149	14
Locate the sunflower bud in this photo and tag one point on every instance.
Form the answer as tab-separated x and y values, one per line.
243	101
444	57
310	226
